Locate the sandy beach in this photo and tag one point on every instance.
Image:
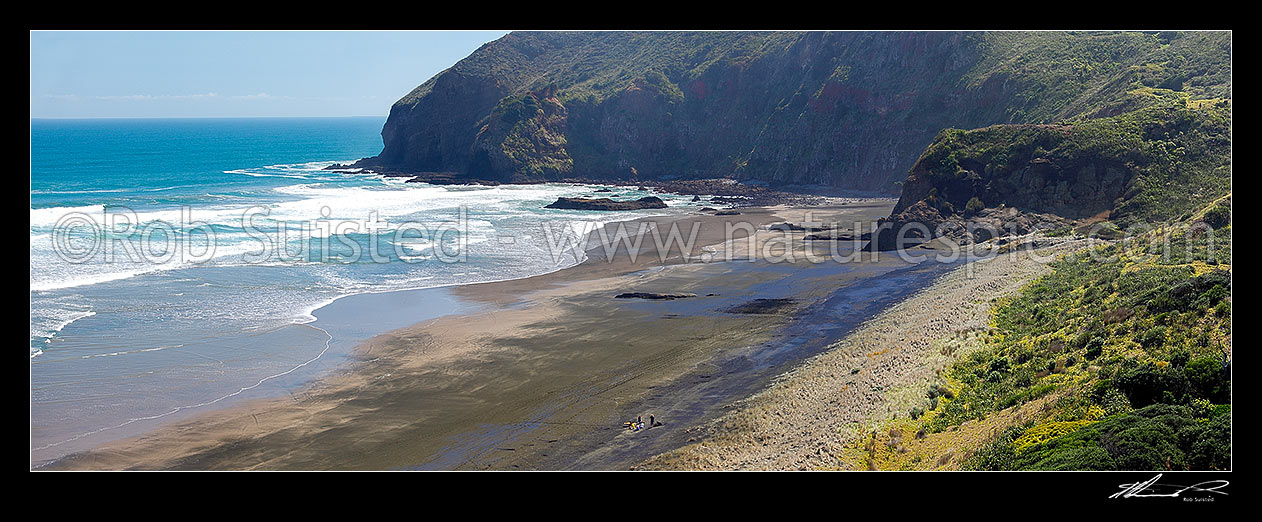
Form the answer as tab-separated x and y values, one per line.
636	250
814	416
545	370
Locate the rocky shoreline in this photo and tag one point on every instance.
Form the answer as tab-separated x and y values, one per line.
607	204
721	191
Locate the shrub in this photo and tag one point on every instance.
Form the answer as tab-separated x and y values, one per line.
1059	232
1209	379
1095	347
1155	336
1195	293
999	364
999	454
1219	216
973	206
1148	383
1208	445
1101	388
1223	309
1180	357
1158	437
1045	432
1115	402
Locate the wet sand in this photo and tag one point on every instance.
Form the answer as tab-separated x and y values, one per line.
543	370
810	416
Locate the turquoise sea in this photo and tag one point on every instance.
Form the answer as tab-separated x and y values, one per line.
182	265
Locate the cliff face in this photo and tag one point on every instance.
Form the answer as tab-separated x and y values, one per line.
1032	167
1146	166
850	110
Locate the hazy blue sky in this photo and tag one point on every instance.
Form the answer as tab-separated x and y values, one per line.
235	74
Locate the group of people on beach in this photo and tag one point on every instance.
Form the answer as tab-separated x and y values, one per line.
638	423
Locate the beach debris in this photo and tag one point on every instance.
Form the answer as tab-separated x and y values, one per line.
635	425
638	424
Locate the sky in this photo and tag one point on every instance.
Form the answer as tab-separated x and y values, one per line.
199	74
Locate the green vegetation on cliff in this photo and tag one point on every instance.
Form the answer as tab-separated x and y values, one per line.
1065	76
1131	341
847	109
1158	437
1152	164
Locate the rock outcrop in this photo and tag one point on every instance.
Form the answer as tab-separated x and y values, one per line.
647	202
1145	166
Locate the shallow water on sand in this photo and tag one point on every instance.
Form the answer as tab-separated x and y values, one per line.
119	344
555	437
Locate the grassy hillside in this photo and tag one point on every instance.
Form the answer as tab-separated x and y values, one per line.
847	109
1070	76
1118	359
1151	164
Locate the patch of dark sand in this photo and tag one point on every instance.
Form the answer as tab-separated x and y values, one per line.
764	306
652	296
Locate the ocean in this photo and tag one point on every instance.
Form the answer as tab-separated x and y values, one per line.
185	264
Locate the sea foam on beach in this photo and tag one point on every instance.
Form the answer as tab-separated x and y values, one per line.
117	340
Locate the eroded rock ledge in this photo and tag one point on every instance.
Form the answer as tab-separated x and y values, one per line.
646	202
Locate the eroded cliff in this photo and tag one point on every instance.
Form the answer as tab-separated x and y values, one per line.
850	110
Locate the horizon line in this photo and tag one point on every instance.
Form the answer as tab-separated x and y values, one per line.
197	117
